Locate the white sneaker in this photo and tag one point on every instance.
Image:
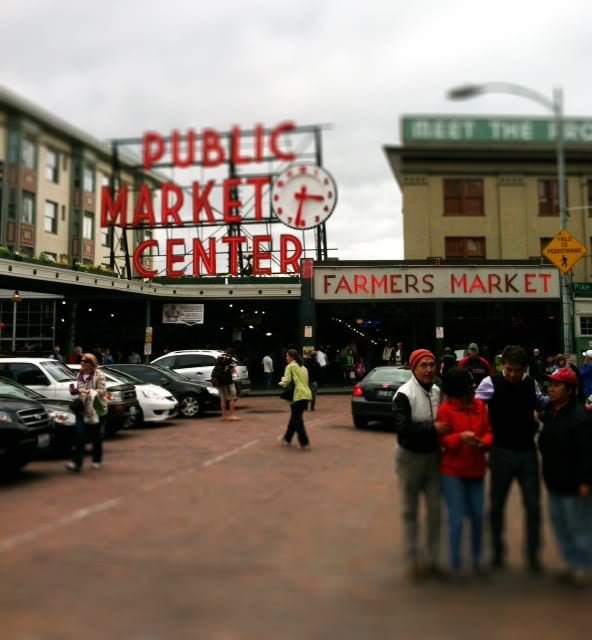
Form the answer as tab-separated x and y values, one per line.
97	465
284	441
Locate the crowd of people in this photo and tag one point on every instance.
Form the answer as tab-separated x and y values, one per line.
449	438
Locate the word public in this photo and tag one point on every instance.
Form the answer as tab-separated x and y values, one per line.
210	149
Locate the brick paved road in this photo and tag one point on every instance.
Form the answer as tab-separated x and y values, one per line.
213	531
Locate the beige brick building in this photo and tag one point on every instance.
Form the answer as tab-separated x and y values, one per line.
474	189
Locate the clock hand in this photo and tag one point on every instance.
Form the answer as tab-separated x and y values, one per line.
302	193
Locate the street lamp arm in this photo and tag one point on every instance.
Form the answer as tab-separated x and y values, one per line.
472	90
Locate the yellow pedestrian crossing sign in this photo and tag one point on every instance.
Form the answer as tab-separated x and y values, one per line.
564	251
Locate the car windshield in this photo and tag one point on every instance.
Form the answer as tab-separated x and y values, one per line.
388	375
58	371
171	373
15	390
122	376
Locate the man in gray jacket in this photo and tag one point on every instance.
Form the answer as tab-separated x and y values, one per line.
415	408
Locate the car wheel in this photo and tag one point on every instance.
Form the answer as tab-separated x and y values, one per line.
190	406
360	423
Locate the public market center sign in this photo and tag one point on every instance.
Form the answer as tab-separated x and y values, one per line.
420	283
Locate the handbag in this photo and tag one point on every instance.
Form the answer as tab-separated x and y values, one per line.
77	406
288	392
99	407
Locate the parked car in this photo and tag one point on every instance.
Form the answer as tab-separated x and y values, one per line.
194	397
52	379
63	420
372	397
25	427
197	365
156	402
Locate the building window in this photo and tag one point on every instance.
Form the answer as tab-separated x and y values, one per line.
586	325
52	166
51	216
88	223
463	197
28	215
106	233
465	247
88	180
28	153
549	198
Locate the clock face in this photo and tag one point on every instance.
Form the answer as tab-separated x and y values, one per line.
304	196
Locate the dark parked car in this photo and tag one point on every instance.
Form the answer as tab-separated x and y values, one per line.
25	427
372	397
64	421
194	397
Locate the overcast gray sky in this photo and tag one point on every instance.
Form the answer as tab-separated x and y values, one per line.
117	68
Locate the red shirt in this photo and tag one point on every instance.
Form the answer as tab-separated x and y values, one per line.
459	459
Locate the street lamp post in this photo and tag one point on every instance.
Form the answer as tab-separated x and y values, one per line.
555	105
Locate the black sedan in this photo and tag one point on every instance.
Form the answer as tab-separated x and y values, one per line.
25	427
372	397
194	397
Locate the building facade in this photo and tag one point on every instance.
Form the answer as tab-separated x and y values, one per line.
51	175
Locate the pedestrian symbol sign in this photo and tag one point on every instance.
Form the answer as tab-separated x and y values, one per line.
564	251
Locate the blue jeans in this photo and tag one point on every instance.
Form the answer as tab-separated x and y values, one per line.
465	498
84	433
571	519
506	466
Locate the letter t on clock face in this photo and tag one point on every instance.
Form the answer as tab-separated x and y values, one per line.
304	196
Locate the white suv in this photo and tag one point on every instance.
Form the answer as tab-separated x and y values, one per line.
198	365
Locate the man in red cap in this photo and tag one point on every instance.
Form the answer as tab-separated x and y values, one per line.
566	447
415	407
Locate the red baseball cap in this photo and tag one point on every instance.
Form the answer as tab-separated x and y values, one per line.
567	376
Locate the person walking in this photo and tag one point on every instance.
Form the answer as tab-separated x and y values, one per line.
297	375
586	375
56	354
462	465
90	389
223	380
415	408
323	362
448	361
512	398
565	443
388	353
75	356
267	363
537	367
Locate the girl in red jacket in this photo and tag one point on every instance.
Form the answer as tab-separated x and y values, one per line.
462	465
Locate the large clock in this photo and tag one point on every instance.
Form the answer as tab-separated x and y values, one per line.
304	196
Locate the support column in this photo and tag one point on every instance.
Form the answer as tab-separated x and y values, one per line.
148	334
439	329
70	331
307	315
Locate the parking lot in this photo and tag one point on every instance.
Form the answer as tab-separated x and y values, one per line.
212	530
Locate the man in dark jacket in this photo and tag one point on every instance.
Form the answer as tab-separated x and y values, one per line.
512	398
415	406
566	447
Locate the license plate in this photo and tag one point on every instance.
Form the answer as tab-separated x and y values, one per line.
384	393
43	440
132	411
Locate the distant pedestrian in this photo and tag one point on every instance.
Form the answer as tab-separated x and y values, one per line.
323	361
388	354
296	374
267	363
222	379
134	358
314	372
462	465
478	366
56	355
415	406
537	367
586	374
566	447
399	357
512	398
448	361
75	356
346	363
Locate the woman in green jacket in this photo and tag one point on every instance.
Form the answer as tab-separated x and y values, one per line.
296	373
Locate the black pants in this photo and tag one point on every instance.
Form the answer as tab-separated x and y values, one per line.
506	466
296	424
84	433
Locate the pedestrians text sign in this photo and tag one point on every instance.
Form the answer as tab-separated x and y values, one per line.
564	251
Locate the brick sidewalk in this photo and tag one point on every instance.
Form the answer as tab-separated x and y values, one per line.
211	530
